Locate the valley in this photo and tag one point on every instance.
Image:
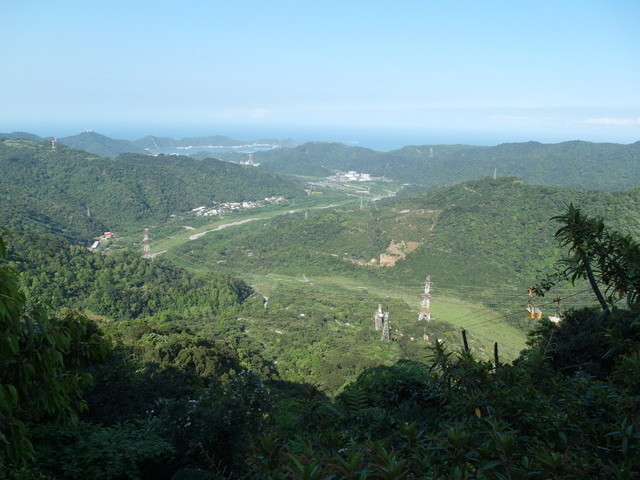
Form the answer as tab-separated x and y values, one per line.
484	324
256	309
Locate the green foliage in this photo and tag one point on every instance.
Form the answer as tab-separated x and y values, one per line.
540	417
599	255
93	452
587	341
121	285
516	421
151	405
79	195
387	387
215	423
577	164
174	394
498	231
40	365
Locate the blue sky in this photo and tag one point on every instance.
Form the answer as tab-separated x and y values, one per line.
395	73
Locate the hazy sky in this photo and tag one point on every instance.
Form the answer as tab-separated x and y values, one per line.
418	71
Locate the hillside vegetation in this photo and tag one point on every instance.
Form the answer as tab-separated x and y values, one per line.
78	195
577	164
246	346
104	146
167	401
483	232
93	142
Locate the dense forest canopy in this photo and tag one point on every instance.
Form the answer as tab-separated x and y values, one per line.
577	164
79	195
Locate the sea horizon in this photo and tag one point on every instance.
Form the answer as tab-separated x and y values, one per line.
373	138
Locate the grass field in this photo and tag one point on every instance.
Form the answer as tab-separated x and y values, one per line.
484	325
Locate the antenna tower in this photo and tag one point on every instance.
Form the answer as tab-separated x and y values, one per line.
146	246
385	328
425	310
53	143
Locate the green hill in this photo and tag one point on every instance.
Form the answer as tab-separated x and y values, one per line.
79	195
576	164
483	232
498	231
313	158
20	136
322	269
97	144
104	146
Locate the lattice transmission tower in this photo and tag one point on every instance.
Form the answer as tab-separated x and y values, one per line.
146	244
425	308
385	328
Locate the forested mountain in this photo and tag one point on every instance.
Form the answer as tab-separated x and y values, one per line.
79	195
101	145
499	230
20	136
104	146
577	164
318	159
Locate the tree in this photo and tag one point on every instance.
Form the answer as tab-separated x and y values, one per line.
598	255
40	365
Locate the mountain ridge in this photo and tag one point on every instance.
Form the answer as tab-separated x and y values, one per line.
80	195
104	146
575	164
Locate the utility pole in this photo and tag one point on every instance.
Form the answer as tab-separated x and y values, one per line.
425	309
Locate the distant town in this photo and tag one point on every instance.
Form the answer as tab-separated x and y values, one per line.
350	176
228	207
